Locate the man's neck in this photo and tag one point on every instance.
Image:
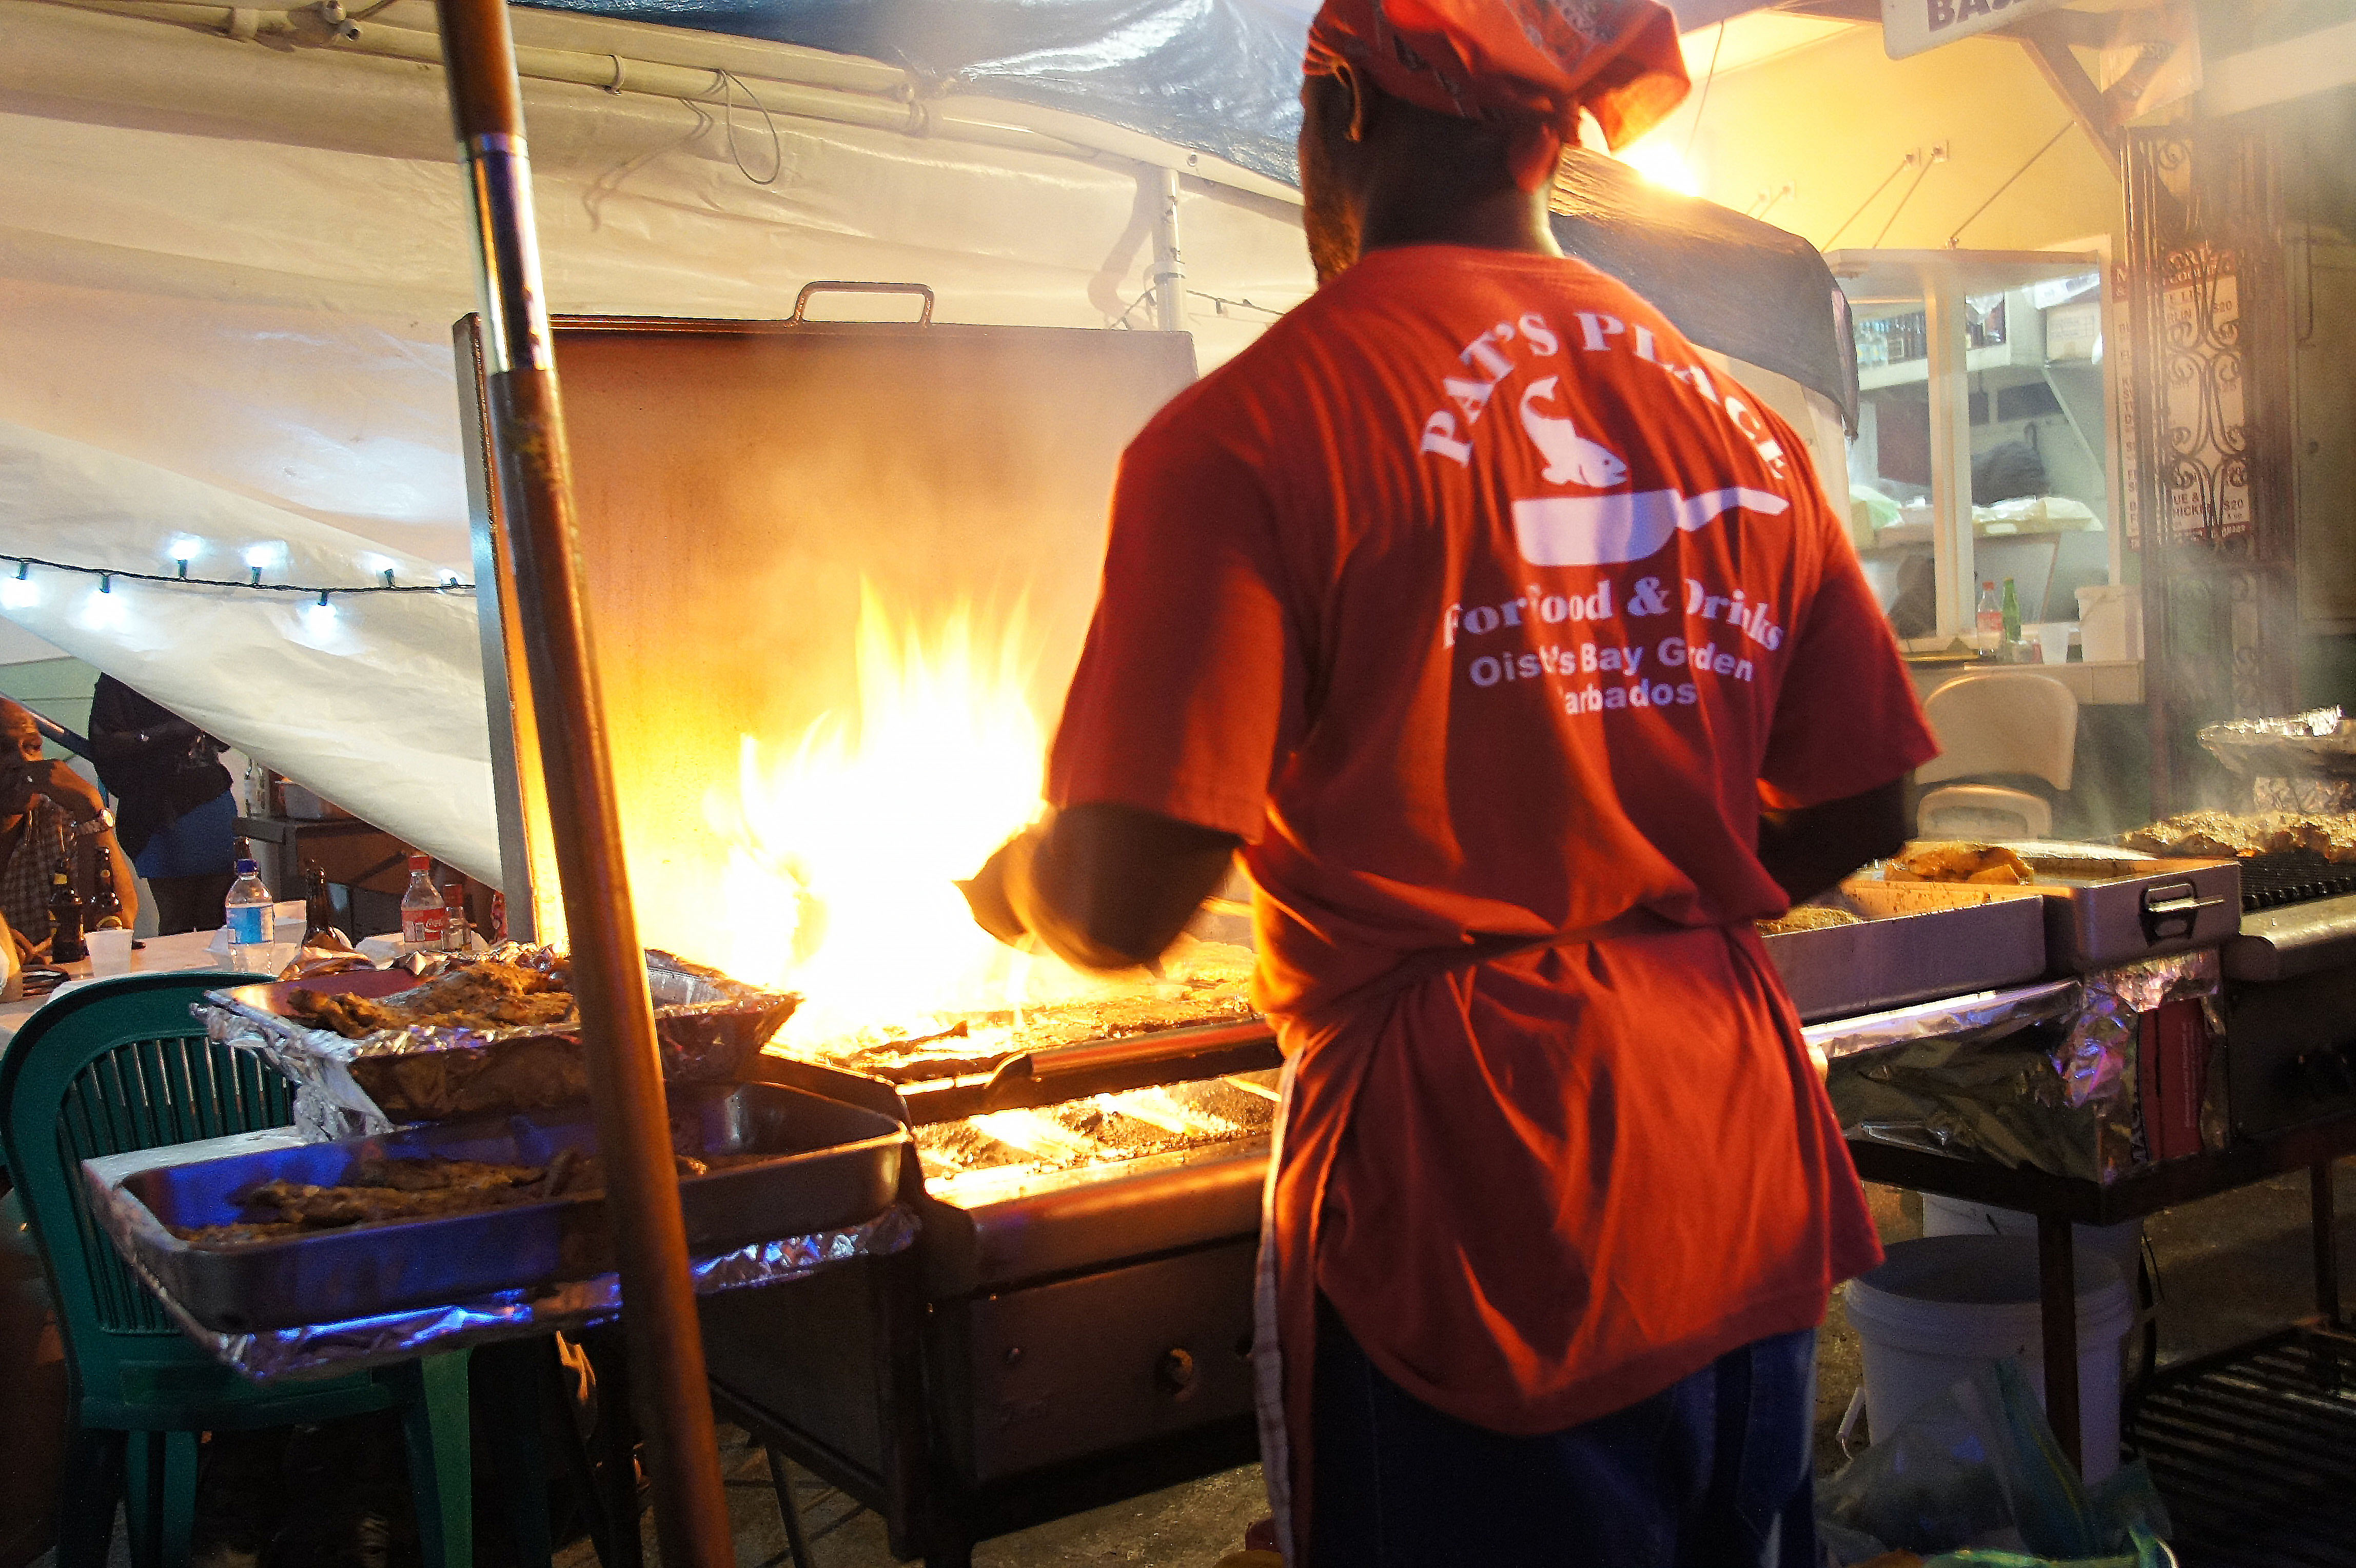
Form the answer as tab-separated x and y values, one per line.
1413	214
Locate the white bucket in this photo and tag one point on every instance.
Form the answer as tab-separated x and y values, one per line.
1943	1306
2121	1243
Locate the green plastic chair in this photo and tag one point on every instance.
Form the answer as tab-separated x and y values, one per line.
120	1066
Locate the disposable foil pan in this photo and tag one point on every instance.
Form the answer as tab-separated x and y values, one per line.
708	1026
834	1165
352	1345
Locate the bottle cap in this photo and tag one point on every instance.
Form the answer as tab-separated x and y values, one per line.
455	894
244	867
420	862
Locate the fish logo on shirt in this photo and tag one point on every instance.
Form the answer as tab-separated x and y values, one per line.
1606	530
1571	458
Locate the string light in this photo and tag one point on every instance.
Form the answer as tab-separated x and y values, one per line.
450	582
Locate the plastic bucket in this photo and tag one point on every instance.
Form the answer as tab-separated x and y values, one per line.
2121	1243
1943	1306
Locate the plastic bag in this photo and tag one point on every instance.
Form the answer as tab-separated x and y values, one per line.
1977	1473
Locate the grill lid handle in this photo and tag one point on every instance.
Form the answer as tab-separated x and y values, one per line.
802	300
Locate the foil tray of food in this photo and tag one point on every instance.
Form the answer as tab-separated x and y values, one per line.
301	1233
1863	950
491	1033
2103	904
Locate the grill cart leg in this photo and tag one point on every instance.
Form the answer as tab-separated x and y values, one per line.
2058	1279
797	1546
2327	1248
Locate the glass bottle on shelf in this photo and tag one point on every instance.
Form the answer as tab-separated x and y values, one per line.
453	918
1988	620
2011	614
421	908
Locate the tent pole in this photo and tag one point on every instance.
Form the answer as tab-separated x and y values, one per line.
666	1344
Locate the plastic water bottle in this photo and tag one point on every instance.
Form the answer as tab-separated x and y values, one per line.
248	911
1987	619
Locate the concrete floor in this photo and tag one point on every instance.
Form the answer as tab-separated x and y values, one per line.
2230	1270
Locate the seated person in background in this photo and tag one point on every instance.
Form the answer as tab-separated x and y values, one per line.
179	820
51	819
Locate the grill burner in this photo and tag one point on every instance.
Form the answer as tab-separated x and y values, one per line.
2293	876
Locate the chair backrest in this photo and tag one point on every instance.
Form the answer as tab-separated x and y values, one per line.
2002	722
114	1066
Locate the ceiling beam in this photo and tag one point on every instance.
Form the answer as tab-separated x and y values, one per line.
2048	42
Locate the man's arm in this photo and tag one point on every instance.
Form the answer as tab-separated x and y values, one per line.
1809	850
1101	885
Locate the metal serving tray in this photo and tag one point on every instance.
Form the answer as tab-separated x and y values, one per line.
2106	906
1919	941
836	1166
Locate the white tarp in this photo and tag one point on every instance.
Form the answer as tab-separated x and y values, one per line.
228	274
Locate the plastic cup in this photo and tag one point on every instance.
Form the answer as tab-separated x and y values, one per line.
110	950
2053	637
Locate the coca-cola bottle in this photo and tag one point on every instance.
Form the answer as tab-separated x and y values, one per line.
422	919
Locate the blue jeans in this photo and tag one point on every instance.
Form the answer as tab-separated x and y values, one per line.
1713	1472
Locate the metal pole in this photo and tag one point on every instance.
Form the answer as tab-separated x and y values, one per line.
1169	266
666	1344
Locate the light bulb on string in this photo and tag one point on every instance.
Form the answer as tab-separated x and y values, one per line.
20	592
184	548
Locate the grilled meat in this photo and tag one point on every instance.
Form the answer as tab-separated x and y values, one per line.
1808	918
1981	863
2220	835
487	995
378	1191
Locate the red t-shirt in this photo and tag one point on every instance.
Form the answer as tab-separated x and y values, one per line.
1488	618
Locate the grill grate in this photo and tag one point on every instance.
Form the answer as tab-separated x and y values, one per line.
2254	1451
2293	876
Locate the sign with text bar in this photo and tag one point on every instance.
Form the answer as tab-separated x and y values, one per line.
1910	26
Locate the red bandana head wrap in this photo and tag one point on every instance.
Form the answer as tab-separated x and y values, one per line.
1526	65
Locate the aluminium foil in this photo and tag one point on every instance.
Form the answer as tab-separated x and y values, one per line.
2042	1077
707	1026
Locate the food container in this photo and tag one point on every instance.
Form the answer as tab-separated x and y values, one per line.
1917	940
2102	904
834	1165
708	1028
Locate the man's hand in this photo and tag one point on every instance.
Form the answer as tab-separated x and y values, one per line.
986	891
1811	849
54	778
1102	886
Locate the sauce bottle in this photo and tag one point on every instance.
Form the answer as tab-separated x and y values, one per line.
422	916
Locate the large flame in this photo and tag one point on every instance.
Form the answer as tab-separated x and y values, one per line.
840	878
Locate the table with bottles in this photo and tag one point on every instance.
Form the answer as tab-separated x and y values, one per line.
153	955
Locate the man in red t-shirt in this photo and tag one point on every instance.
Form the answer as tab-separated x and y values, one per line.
1521	656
